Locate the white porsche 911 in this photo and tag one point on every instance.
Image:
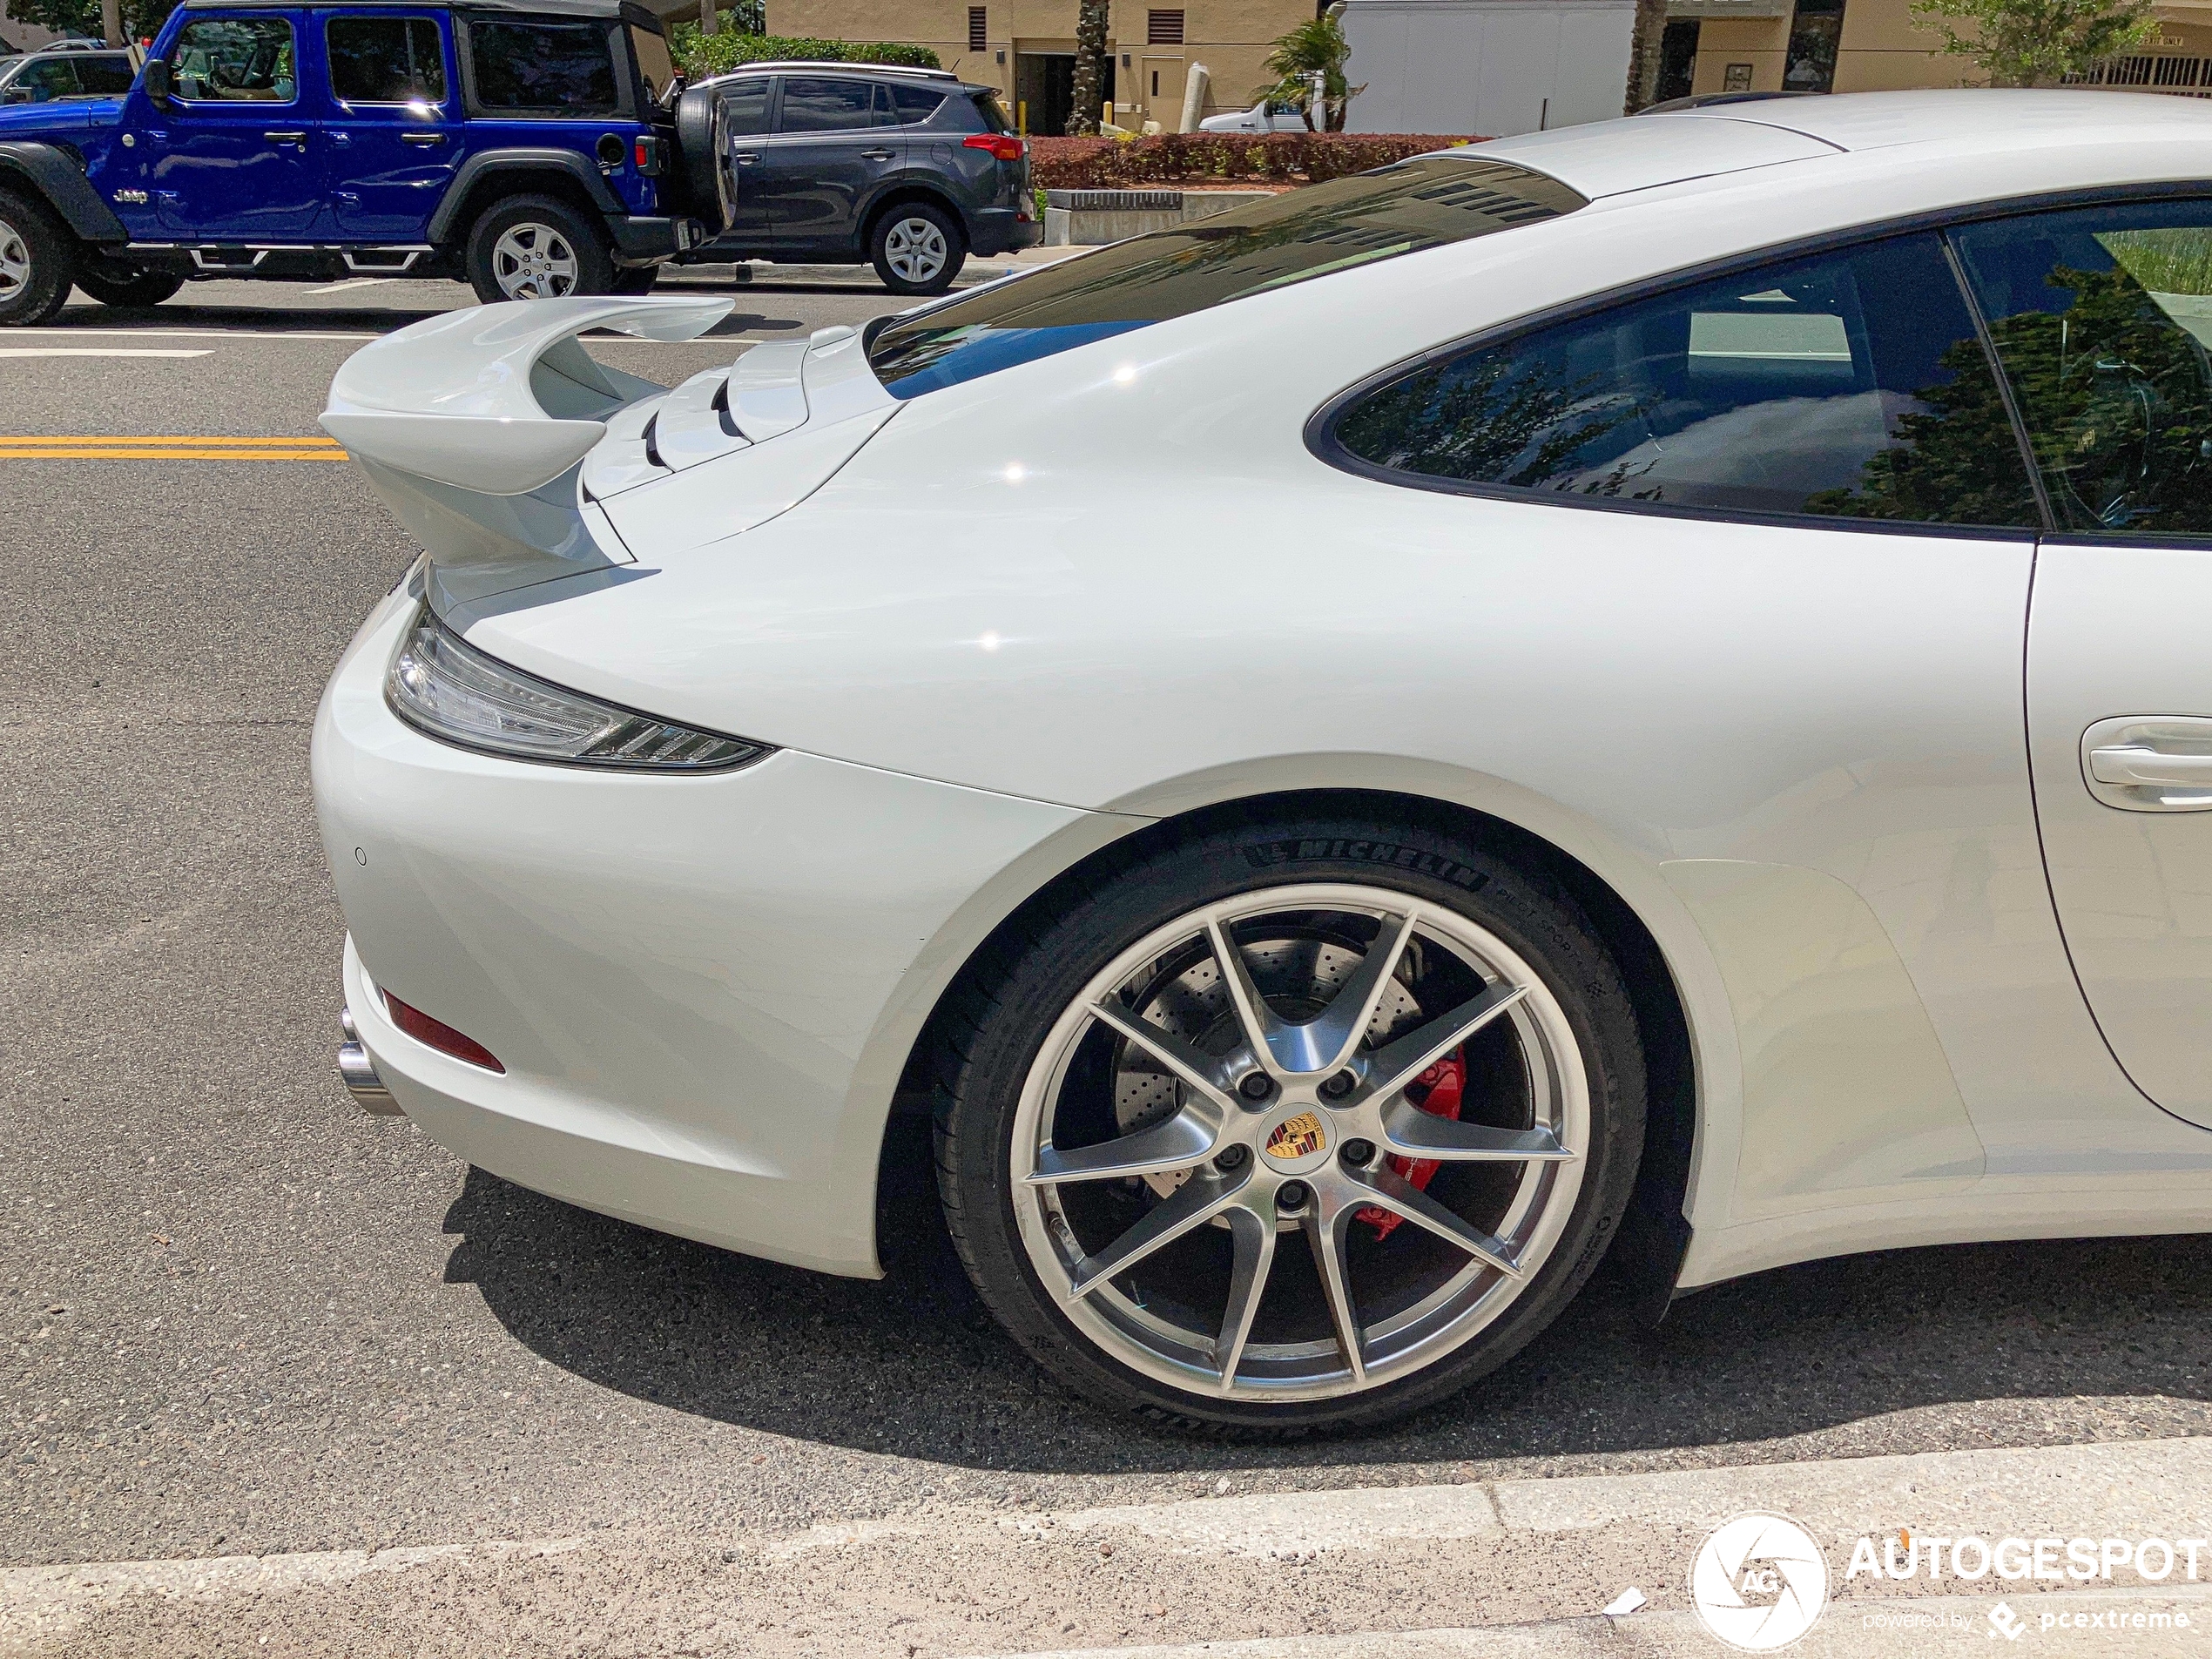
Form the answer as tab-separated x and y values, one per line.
1637	689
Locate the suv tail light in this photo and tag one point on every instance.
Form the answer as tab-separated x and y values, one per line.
437	1034
651	153
1003	146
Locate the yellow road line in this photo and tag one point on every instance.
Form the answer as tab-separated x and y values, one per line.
172	455
113	440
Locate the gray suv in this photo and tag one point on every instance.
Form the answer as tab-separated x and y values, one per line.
908	170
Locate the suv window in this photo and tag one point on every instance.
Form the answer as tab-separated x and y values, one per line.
386	60
814	104
2102	317
243	59
905	106
105	75
655	66
544	67
1424	203
747	106
1851	384
42	83
988	112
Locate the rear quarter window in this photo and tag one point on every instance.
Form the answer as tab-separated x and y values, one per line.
1427	202
544	66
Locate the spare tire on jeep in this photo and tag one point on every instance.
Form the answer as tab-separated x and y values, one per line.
702	166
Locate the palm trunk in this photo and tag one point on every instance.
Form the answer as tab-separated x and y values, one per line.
1090	66
1651	27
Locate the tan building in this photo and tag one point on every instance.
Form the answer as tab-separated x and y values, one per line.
1026	48
1873	45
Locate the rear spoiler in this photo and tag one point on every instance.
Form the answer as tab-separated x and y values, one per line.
471	426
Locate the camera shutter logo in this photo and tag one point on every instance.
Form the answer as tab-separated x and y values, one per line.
1759	1582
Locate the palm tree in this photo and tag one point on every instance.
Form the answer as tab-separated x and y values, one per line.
1090	63
1316	48
1649	29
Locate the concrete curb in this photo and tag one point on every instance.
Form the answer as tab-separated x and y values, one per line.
1547	1549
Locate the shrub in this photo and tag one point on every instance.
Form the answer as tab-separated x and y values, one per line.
1219	158
703	55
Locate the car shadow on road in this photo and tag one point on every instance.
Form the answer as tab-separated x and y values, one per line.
911	1364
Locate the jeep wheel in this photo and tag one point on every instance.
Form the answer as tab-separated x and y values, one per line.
917	249
38	262
535	248
118	285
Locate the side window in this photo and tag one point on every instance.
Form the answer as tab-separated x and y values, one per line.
905	106
1850	385
655	67
2101	317
543	68
820	105
235	59
43	83
746	105
386	60
104	76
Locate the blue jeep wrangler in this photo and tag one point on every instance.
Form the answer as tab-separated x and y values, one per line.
534	147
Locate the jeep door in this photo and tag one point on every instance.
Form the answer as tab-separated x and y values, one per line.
235	158
822	164
394	132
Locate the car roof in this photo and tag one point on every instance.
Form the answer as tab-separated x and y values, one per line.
1612	157
835	66
608	9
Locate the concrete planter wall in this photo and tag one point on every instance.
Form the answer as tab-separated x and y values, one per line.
1089	218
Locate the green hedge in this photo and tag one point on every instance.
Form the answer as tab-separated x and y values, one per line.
703	55
1219	158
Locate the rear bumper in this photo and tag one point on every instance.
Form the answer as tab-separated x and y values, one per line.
702	988
643	241
996	229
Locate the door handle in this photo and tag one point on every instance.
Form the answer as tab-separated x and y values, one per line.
300	138
747	158
2150	763
876	155
2137	766
422	137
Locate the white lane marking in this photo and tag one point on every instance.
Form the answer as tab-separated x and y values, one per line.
350	282
65	351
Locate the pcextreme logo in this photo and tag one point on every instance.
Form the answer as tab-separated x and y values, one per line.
1759	1582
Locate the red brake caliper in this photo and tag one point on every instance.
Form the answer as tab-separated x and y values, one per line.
1444	1082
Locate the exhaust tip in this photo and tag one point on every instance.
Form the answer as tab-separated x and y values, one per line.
358	1072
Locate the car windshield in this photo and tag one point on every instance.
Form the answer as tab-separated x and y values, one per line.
1423	203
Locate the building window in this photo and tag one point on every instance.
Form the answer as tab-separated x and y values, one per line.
1810	63
1677	59
1164	29
979	31
1736	77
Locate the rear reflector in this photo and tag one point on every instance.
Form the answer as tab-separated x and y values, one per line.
1004	145
437	1034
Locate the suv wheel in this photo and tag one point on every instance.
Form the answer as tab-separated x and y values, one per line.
535	247
118	285
917	248
1294	1125
38	262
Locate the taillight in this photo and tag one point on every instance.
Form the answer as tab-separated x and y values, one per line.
437	1034
648	156
1003	146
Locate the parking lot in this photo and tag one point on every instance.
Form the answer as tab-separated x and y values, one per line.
244	1318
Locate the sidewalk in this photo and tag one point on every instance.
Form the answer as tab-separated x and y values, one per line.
1493	1570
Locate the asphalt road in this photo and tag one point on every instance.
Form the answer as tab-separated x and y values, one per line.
240	1316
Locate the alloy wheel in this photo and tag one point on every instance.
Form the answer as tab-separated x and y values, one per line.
533	262
915	249
14	262
1299	1143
